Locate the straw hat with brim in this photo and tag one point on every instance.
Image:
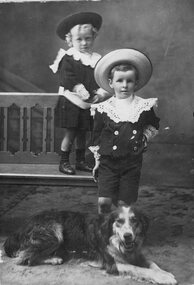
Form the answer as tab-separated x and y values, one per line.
128	56
70	21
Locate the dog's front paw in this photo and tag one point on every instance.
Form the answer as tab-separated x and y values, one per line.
53	261
56	261
112	269
164	278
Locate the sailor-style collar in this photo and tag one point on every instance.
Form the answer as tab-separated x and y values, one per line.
86	58
124	110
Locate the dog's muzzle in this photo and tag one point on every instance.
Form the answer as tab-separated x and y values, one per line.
127	242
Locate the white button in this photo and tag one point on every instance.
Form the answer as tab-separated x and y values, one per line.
114	147
134	132
116	133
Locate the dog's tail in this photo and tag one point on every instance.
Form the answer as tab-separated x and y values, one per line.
12	245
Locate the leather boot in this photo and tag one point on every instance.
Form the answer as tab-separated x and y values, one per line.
82	166
65	166
80	161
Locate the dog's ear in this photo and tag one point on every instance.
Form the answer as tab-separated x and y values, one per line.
92	234
145	222
106	222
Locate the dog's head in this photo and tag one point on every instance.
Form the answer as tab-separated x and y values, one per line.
129	228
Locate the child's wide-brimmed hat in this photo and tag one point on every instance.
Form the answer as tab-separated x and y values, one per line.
127	56
78	19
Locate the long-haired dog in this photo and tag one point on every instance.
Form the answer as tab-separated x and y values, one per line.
116	238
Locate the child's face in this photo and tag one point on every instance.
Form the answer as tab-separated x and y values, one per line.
123	83
82	38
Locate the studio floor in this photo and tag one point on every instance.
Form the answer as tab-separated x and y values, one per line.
170	239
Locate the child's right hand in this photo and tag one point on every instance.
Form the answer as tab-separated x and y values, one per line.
81	91
95	170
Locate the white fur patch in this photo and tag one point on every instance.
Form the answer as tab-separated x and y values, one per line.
120	229
53	261
146	274
58	230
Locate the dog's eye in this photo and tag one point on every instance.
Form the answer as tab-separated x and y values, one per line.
120	221
134	220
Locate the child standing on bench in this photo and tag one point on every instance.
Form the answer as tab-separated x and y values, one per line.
77	85
123	125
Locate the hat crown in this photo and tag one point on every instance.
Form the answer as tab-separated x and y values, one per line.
81	18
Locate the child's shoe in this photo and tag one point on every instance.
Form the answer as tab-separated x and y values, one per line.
66	168
82	166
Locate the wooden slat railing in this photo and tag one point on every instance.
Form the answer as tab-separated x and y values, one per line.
30	142
27	127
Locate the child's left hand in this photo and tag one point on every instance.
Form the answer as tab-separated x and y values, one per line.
95	170
141	146
145	143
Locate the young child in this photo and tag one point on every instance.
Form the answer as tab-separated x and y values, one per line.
77	84
123	125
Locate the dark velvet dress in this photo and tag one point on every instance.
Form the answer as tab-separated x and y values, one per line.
72	72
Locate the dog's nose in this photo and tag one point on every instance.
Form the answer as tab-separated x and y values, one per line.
128	237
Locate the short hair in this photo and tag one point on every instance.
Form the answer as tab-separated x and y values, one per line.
123	67
68	37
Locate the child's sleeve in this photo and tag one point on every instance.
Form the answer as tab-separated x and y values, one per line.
67	76
151	125
96	133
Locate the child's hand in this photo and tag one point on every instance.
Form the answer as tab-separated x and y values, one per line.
81	91
101	95
95	170
140	146
94	99
145	143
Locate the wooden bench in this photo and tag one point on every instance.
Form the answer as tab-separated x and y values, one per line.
29	141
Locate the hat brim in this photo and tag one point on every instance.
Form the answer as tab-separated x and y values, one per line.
131	56
81	18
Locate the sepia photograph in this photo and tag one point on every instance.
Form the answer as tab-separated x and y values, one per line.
96	142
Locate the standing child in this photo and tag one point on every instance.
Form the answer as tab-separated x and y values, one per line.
77	85
122	127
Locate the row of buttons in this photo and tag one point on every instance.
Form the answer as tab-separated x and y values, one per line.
115	147
117	132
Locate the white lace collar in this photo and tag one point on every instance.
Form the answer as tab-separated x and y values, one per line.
124	110
86	58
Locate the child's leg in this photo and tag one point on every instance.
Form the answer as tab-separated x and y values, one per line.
108	184
104	205
80	151
129	182
66	146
